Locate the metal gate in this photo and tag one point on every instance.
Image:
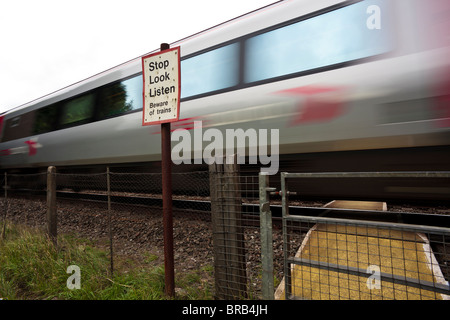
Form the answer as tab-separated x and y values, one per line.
356	254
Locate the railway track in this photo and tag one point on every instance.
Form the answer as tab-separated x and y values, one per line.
250	210
198	205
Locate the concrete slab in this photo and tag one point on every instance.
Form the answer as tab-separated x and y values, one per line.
358	205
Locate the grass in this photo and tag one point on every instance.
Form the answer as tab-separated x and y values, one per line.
31	268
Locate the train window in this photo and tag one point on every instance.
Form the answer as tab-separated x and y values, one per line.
15	122
133	88
211	71
1	124
335	37
45	120
78	110
120	97
406	111
18	127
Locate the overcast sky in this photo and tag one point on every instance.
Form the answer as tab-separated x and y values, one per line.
49	44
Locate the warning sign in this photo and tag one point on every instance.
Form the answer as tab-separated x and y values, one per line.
161	73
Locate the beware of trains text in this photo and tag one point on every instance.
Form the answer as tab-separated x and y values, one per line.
161	73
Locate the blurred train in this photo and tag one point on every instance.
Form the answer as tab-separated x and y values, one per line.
351	86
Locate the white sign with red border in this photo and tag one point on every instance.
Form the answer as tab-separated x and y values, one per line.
161	75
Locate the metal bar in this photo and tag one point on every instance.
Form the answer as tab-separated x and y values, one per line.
167	211
266	238
285	214
396	174
380	224
167	203
406	281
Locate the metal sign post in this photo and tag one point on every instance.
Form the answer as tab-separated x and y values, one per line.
161	72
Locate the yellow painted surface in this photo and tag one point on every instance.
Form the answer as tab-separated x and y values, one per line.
359	205
399	253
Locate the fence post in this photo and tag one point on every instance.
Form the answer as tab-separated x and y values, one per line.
286	238
108	183
228	232
266	237
234	229
217	233
51	205
5	207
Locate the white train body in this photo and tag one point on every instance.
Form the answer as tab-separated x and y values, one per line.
280	67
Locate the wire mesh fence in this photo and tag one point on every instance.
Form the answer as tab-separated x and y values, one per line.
34	182
235	214
338	259
29	210
356	253
122	212
217	229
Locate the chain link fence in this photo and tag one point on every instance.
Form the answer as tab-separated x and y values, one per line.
217	233
21	202
122	212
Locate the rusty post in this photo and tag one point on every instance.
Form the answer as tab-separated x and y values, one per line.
51	205
166	164
111	253
5	212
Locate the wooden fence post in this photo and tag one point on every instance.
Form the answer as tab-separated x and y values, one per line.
5	212
266	237
217	233
108	188
228	231
51	205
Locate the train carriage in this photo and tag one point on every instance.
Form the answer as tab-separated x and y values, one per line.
350	85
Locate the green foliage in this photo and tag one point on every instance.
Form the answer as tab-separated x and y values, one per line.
31	268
